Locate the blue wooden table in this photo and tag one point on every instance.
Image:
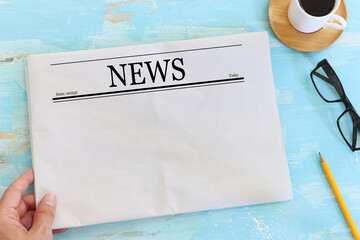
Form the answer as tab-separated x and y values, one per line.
308	123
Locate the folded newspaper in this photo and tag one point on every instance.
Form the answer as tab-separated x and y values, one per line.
158	129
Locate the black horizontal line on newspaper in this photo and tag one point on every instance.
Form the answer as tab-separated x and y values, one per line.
143	55
150	89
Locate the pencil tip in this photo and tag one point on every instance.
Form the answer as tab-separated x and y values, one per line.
321	158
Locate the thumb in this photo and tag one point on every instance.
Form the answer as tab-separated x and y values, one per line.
44	217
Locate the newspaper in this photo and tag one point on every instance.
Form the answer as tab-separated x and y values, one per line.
158	129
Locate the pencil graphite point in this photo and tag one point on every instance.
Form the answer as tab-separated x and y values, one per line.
321	158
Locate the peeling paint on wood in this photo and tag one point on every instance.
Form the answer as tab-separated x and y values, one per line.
115	13
13	145
9	58
119	17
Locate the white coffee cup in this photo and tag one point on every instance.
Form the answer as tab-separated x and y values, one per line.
306	23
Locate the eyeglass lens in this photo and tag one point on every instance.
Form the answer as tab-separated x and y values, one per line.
348	123
325	84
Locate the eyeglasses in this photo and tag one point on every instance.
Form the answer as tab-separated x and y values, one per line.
330	89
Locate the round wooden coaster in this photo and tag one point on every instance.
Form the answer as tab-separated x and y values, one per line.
304	42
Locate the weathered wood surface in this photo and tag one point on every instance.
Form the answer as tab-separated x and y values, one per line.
308	123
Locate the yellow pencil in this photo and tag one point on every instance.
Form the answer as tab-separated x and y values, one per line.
339	198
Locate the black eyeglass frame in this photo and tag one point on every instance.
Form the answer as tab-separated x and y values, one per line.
334	80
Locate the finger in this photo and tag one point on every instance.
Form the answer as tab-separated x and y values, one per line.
27	219
12	195
29	200
44	216
27	203
57	231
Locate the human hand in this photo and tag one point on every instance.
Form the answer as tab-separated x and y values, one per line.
18	218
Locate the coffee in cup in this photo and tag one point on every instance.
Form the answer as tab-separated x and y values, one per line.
317	8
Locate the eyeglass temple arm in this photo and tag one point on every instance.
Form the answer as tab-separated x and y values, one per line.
322	77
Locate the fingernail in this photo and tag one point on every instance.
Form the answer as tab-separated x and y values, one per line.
50	199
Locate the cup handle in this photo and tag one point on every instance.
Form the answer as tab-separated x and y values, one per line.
340	26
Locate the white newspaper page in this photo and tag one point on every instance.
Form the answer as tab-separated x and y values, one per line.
150	130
